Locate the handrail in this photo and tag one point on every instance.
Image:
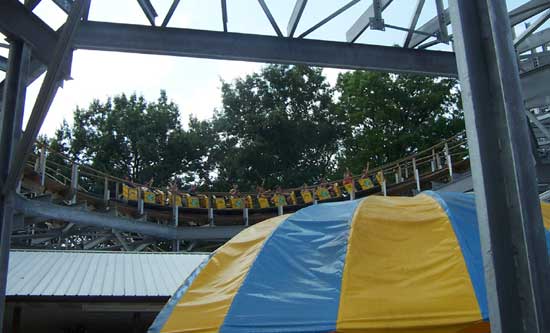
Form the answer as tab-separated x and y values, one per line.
455	146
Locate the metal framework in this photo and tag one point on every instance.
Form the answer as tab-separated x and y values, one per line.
486	61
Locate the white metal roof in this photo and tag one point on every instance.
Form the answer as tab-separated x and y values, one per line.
75	273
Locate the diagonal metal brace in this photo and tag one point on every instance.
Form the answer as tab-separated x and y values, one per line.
46	94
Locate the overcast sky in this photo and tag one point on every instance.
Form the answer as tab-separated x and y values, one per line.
194	83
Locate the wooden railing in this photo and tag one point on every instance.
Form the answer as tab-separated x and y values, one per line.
411	169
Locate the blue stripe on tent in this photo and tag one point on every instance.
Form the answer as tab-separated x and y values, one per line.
461	209
297	276
166	311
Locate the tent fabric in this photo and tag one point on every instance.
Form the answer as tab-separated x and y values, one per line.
376	265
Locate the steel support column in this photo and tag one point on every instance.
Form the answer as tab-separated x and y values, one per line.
47	91
508	208
10	131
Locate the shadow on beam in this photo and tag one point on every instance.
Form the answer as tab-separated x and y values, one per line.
46	210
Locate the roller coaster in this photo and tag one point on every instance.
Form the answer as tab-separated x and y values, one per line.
131	216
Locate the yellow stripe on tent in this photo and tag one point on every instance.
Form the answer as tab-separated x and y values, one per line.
545	208
203	307
405	272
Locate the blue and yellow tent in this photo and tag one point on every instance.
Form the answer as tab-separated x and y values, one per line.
378	265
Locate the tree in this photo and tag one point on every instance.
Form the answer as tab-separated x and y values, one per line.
388	116
278	125
127	136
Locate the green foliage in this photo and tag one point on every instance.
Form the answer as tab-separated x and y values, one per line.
127	136
284	125
278	125
389	116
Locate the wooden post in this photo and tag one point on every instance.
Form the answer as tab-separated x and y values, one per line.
433	160
279	210
384	190
42	166
400	173
416	175
211	216
74	182
106	192
175	218
140	201
449	161
245	216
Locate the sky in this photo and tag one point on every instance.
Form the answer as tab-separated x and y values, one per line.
194	84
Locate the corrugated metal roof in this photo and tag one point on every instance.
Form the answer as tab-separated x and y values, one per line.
76	273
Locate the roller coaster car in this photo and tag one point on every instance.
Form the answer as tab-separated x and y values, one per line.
336	190
204	201
293	198
192	201
306	196
323	193
129	193
279	200
177	198
149	197
366	183
160	198
350	187
219	203
237	203
263	202
249	202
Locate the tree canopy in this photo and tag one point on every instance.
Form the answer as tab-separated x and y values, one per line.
128	136
277	126
284	125
388	116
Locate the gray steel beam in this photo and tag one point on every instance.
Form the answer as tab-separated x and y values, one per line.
270	17
528	10
535	40
10	129
80	217
247	47
65	5
537	123
148	10
414	21
431	27
121	240
46	94
224	15
329	18
31	4
18	22
95	242
3	64
377	22
363	22
517	16
508	209
534	26
442	33
299	7
536	88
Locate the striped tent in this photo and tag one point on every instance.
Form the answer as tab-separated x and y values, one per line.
381	264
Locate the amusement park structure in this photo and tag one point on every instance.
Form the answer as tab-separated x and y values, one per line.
494	66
